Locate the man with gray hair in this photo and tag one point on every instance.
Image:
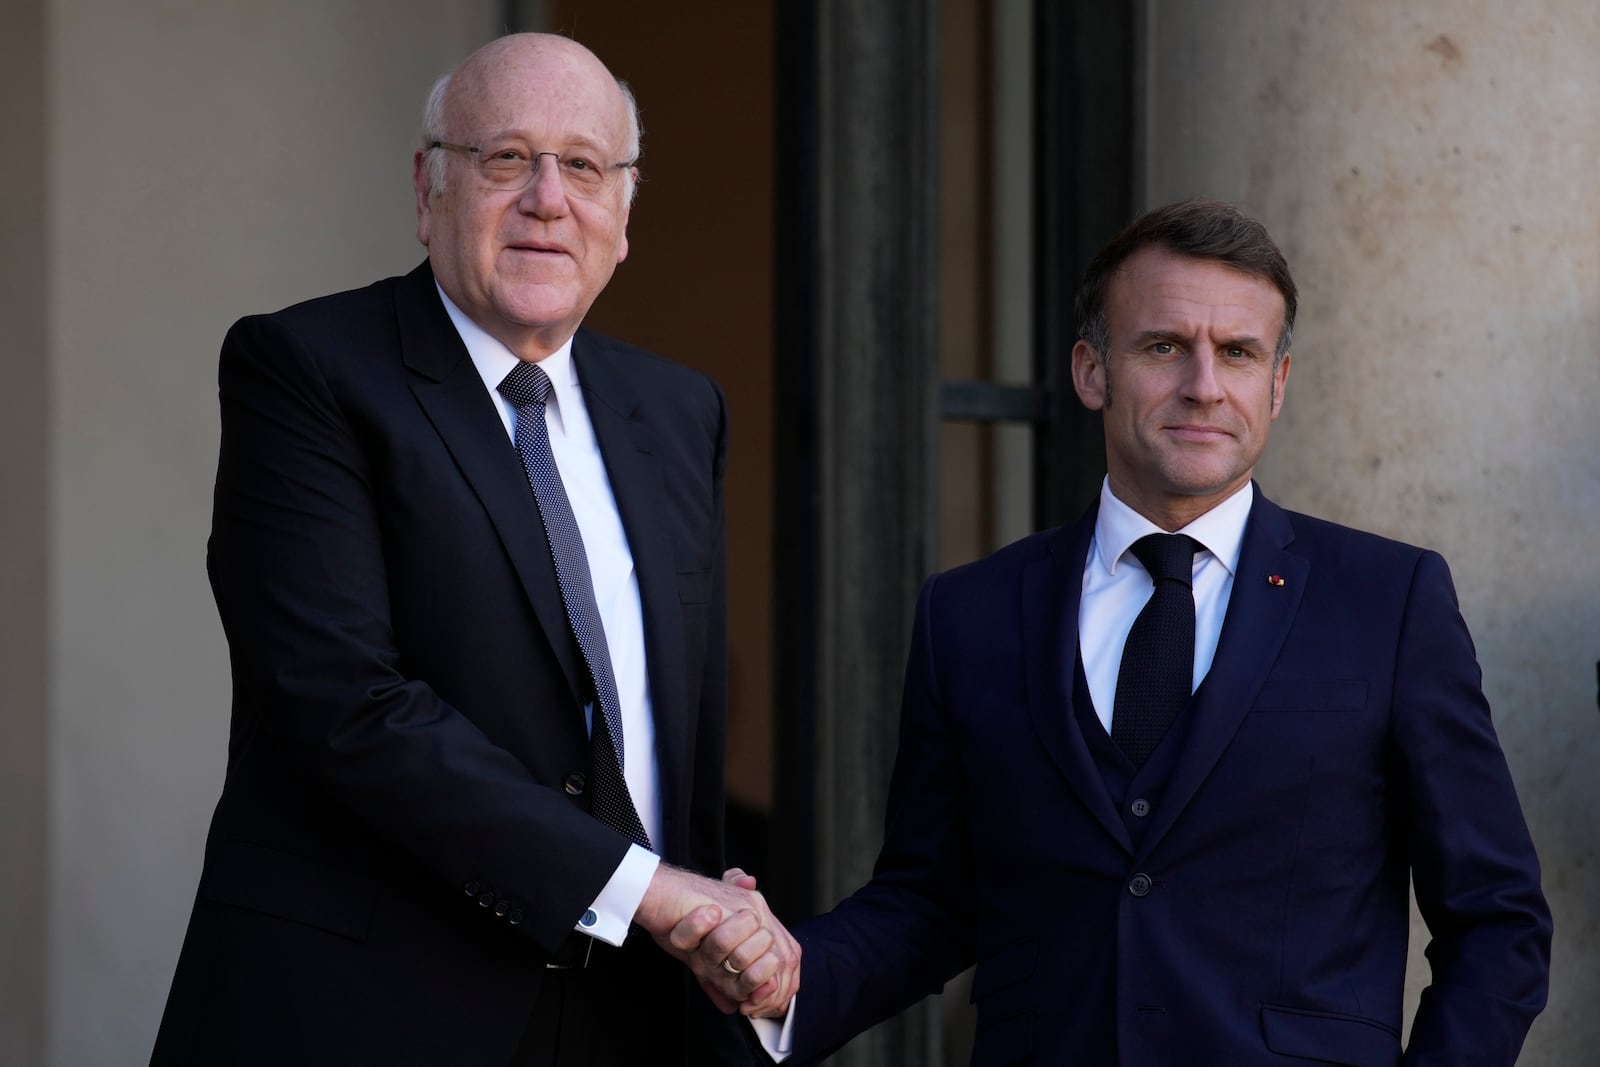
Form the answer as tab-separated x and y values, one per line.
469	558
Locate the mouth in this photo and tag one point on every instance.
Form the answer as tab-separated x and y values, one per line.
1198	434
539	248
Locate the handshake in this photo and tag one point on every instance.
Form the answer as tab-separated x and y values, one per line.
724	932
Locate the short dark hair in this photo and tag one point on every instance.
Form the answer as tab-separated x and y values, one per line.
1201	229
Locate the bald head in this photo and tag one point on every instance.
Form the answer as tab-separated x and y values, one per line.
524	182
460	96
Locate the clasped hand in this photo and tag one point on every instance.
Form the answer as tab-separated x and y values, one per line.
724	932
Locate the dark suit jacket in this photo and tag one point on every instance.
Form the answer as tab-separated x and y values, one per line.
403	840
1339	748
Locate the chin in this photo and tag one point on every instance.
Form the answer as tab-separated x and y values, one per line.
537	314
1200	483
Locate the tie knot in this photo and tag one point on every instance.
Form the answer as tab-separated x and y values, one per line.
1168	557
526	384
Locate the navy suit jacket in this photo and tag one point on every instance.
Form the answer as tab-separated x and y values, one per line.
403	839
1254	908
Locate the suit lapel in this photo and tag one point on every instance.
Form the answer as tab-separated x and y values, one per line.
628	448
1253	631
452	395
1052	586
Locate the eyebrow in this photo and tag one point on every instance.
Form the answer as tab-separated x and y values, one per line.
1152	336
577	141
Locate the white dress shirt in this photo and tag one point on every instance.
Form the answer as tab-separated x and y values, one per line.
1116	587
616	594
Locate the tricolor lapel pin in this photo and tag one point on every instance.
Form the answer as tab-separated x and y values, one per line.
1273	579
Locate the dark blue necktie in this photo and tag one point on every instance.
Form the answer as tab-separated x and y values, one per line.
1157	673
528	387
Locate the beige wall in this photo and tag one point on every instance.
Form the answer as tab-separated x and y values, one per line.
205	159
1429	169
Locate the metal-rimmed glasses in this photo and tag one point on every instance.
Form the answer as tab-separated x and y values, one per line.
512	168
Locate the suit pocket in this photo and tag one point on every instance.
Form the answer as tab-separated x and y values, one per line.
291	887
694	587
1312	694
1346	1039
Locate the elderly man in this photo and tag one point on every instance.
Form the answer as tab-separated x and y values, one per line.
1168	774
469	560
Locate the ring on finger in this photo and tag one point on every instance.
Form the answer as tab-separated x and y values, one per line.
728	966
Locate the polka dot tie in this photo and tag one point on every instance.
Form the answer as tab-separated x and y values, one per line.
528	387
1157	674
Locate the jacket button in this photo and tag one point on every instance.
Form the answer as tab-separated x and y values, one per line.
471	889
485	898
1141	807
501	907
574	785
515	918
1139	885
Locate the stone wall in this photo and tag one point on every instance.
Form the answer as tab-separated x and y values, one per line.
1429	170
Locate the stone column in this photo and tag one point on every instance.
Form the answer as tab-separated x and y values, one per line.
857	357
1429	170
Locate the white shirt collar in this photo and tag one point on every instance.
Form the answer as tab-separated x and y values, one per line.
494	360
1220	530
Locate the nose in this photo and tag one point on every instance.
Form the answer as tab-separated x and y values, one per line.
545	196
1200	384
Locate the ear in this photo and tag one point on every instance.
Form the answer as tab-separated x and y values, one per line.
622	246
421	184
1088	376
1280	379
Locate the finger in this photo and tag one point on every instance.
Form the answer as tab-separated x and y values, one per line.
733	933
741	941
759	1002
735	987
767	1001
693	928
732	974
749	965
737	877
775	997
758	973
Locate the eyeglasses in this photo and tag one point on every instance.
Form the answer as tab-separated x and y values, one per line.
512	168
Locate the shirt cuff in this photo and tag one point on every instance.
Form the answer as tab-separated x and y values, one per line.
608	917
777	1038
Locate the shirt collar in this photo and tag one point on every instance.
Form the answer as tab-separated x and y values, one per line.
1220	531
494	360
